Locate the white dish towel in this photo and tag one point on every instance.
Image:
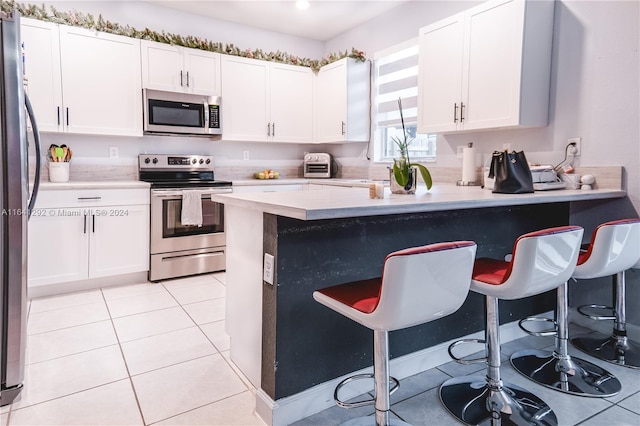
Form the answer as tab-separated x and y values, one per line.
191	208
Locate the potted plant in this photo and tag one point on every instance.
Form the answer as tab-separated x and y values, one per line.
403	171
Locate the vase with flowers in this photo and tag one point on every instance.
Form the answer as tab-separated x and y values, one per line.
403	174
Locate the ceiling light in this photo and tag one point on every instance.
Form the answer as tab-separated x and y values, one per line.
302	4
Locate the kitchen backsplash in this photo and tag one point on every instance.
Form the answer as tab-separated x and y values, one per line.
100	169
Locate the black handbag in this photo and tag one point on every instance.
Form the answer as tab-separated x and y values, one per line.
511	173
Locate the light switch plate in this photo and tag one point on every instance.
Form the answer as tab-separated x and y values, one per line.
268	268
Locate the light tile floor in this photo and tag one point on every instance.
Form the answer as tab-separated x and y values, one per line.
157	354
133	355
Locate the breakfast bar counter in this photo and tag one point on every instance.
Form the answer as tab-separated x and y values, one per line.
293	349
317	205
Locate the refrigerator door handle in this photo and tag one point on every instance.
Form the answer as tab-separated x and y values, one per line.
36	137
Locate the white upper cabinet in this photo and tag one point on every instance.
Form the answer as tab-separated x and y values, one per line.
291	103
180	69
82	81
488	67
245	93
101	84
42	70
342	102
266	101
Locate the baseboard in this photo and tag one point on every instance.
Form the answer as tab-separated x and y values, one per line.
313	400
84	285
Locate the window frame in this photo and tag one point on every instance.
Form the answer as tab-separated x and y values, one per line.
384	151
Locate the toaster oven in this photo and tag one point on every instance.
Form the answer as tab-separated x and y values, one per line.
317	165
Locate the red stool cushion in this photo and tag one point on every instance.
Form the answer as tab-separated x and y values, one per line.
496	272
364	295
585	253
361	295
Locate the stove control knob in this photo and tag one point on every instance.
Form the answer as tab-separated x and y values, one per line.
194	161
147	160
208	161
155	161
201	161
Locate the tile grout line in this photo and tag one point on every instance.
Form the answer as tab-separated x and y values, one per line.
124	360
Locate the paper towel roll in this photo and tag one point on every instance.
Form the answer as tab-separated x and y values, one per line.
469	164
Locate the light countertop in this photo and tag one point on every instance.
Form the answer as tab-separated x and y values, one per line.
355	202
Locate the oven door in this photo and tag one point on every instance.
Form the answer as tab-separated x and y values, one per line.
168	234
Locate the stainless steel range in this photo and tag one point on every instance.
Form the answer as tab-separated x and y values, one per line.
176	249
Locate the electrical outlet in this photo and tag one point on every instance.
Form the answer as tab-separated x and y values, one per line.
506	146
245	155
113	152
268	268
459	151
578	149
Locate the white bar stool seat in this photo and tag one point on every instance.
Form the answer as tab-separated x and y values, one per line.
417	285
541	261
614	248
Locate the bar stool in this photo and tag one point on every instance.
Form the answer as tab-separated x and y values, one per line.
541	261
417	285
614	248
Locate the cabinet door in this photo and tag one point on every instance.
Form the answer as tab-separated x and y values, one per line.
493	58
202	72
331	93
245	95
42	69
101	83
161	66
119	240
58	247
440	75
291	103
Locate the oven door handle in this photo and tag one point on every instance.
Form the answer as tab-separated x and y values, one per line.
173	194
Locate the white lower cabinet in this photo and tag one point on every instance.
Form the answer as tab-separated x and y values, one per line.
84	237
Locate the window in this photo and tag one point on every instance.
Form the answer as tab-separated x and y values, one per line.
396	77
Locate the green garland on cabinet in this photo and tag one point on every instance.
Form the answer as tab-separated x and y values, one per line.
79	19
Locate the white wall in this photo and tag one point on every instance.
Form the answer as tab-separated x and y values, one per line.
595	82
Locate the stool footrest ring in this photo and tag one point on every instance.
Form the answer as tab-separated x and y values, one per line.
537	319
460	360
581	309
340	403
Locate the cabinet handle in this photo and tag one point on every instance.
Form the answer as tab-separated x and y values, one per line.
461	112
67	116
58	116
93	223
89	198
84	230
181	79
455	112
187	78
273	129
268	129
343	130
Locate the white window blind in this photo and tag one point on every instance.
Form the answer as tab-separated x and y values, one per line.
396	77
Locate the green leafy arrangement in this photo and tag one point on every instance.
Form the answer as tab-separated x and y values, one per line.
402	166
79	19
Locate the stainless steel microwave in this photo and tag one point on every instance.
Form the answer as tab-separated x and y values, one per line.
170	113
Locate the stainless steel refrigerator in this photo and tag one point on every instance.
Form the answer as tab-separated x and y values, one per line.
16	205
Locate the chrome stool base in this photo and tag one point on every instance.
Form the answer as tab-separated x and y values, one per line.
573	375
468	399
371	421
620	351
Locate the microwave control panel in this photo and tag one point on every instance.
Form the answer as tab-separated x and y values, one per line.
214	116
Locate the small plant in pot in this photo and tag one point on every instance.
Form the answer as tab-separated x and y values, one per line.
404	171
